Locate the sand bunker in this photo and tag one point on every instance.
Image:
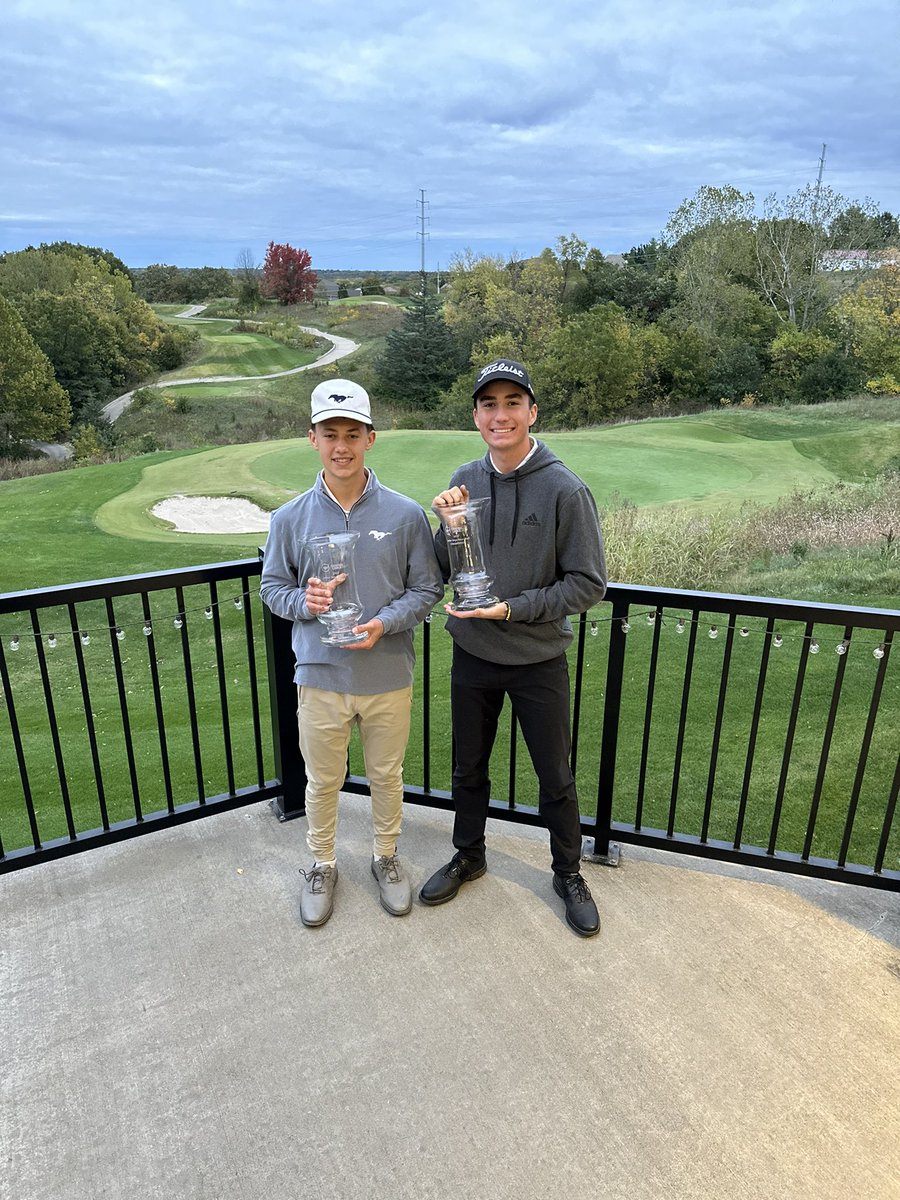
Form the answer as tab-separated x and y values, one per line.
212	514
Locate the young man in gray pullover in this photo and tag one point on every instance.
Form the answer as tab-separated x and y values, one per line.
366	683
544	552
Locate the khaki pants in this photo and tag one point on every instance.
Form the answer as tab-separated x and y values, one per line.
326	721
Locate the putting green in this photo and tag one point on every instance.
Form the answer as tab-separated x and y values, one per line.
689	462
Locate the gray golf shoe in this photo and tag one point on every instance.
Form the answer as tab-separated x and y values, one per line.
396	895
317	894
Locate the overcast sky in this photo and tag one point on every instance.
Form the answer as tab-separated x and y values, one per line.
180	131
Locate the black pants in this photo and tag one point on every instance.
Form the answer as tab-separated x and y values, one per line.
539	694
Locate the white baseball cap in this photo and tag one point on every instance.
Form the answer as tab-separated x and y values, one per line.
339	398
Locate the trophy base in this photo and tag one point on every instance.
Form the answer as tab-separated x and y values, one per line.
339	623
468	603
343	639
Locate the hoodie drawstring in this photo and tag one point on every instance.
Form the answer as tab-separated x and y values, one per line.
515	522
493	507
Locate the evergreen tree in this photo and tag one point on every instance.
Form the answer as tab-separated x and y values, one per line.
420	358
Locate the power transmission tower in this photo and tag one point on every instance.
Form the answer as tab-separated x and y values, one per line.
422	234
814	256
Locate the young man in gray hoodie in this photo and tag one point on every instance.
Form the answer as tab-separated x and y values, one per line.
367	683
544	552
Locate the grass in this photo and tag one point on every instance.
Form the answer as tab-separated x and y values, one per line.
94	522
225	351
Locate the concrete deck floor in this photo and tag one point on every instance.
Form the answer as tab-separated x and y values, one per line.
169	1028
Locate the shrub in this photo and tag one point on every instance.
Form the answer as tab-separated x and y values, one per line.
87	443
884	385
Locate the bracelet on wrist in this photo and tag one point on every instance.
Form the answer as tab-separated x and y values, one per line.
508	611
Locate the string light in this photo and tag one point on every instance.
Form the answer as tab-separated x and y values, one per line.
651	616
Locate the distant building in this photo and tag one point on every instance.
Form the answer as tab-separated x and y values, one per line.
857	260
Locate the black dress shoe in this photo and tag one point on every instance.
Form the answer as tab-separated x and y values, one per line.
445	883
581	911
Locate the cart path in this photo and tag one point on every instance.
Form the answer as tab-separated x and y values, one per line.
340	348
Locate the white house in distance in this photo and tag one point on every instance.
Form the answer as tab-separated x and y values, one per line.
858	260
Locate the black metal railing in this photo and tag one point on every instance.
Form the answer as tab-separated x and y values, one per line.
753	730
129	705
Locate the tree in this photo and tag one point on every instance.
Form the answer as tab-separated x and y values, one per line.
595	365
421	358
861	227
95	253
792	241
159	284
712	236
288	275
82	343
246	274
32	404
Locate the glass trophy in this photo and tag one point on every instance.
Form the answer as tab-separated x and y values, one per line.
462	528
333	558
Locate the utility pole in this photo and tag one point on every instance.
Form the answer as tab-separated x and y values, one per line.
814	257
422	218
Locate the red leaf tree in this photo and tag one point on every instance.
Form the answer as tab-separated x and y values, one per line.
288	275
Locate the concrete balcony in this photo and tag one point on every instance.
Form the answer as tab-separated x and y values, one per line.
171	1030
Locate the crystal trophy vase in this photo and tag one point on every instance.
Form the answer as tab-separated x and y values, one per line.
462	528
332	555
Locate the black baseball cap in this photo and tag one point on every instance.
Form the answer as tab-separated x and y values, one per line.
503	368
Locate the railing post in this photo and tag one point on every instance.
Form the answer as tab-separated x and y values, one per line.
289	766
605	851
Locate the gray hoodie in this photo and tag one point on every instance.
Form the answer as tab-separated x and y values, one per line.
544	550
397	578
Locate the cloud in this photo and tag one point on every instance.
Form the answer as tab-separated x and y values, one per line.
183	131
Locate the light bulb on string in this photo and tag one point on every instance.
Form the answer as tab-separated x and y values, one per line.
626	628
594	629
427	619
120	634
85	638
713	632
51	641
651	618
148	629
238	603
878	652
842	648
679	628
814	647
208	613
777	641
13	643
178	622
744	631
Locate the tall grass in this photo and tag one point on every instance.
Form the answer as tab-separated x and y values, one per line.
672	547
